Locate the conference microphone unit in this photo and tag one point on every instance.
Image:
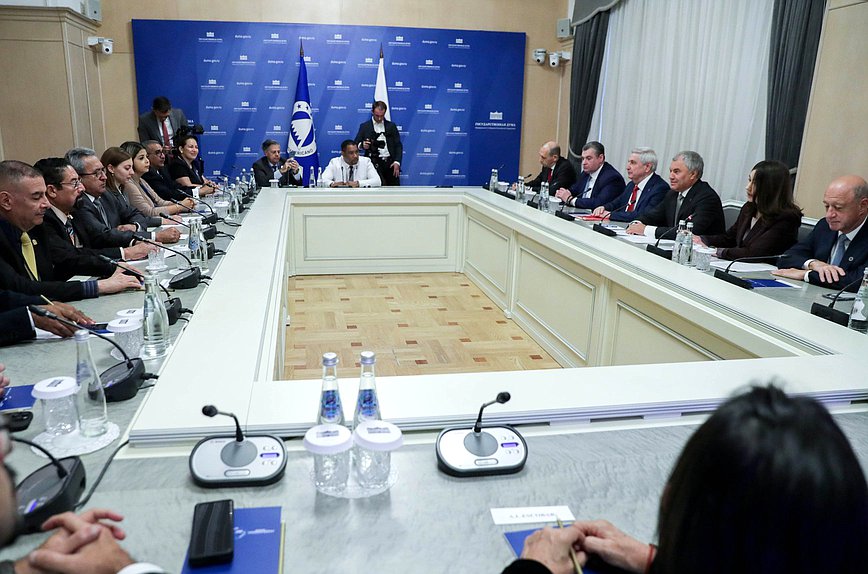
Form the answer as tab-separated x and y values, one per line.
604	230
725	275
657	250
209	219
563	215
829	312
186	279
120	382
209	232
173	305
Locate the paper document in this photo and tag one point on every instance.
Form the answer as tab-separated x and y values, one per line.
741	266
531	514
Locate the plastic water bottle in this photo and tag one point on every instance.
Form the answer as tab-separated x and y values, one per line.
312	180
367	403
543	196
679	241
519	189
242	182
686	254
330	407
858	320
92	418
232	213
155	325
492	181
319	181
251	182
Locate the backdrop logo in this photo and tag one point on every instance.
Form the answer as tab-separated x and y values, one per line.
245	107
274	38
459	44
456	132
457	88
338	85
301	130
429	65
399	41
339	131
337	39
428	109
276	85
243	60
495	115
210	38
211	85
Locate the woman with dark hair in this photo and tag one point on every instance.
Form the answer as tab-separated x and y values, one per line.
140	195
182	168
118	169
768	223
767	484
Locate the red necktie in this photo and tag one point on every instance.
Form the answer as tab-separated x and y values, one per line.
166	141
550	175
632	205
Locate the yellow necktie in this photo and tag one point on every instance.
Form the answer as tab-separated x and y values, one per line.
29	255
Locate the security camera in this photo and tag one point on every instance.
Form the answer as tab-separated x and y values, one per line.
554	60
100	44
539	55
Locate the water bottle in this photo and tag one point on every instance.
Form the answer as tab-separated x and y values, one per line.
330	408
686	255
319	181
543	196
232	211
312	182
155	325
519	189
251	181
679	241
858	320
242	182
196	243
492	181
92	418
367	404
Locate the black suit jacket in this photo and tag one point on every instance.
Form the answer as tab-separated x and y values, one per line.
770	236
149	128
91	229
393	140
163	184
69	260
563	175
654	192
818	245
14	317
608	186
702	205
263	173
13	270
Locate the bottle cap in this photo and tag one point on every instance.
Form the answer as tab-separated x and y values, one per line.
378	435
54	388
329	359
368	358
131	314
328	439
124	325
82	335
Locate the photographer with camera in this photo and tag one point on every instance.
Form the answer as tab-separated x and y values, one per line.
380	140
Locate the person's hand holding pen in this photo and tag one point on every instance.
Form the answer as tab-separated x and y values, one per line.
64	311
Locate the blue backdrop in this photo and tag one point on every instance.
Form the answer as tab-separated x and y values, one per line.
455	95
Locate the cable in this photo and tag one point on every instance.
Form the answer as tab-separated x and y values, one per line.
111	457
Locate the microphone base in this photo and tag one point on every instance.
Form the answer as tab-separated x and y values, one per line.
187	279
42	494
737	281
210	220
212	251
563	215
173	309
221	461
122	382
604	230
830	314
495	450
664	253
209	232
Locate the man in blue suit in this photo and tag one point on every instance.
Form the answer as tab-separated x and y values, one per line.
599	182
645	190
834	255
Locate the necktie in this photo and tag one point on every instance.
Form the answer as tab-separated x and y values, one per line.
29	255
102	214
352	167
587	192
678	203
70	231
632	203
550	175
839	249
166	141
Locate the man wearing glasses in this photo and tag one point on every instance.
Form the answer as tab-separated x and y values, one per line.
158	174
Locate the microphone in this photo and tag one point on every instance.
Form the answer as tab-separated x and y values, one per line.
211	411
725	275
776	258
501	398
830	313
211	219
186	279
209	232
172	304
120	382
656	250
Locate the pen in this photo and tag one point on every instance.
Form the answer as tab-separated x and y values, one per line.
47	300
572	552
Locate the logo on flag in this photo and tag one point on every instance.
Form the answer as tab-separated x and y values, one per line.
302	134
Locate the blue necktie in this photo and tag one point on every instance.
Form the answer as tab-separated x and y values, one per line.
839	249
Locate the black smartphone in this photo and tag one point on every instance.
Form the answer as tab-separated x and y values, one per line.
213	538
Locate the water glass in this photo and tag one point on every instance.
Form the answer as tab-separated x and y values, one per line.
374	443
58	401
702	257
330	445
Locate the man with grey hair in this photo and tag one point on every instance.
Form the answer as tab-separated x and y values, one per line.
645	190
689	199
557	171
834	255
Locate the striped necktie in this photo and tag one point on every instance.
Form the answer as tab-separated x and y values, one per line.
29	255
102	213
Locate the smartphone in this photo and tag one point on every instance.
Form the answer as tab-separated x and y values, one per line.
290	154
213	538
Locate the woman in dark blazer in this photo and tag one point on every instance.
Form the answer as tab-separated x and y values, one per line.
768	223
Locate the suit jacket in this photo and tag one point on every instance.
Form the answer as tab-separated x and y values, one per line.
818	245
92	230
141	197
263	173
14	317
563	175
702	205
393	140
654	192
13	270
149	127
120	210
608	186
767	237
162	183
70	260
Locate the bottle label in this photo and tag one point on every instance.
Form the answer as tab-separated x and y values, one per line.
330	407
367	403
858	312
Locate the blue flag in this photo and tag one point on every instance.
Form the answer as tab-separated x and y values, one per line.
302	135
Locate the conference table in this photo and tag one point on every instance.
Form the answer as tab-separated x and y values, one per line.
649	348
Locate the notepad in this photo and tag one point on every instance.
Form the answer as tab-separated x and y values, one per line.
16	398
516	538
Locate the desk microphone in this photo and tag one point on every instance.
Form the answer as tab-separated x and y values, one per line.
173	305
463	451
656	249
120	382
725	275
829	312
52	489
236	460
186	279
210	219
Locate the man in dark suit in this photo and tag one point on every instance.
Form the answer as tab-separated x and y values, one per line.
25	260
599	182
17	323
689	198
645	190
834	255
161	123
380	140
158	176
557	171
272	166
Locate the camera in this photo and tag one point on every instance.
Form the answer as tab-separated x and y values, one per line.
554	60
539	55
102	45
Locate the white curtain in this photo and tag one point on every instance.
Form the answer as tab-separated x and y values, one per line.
687	74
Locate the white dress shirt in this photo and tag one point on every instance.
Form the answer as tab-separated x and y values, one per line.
363	172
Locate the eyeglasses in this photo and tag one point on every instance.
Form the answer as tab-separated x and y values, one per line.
74	183
96	172
159	152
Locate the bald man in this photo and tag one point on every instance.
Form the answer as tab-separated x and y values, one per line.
557	171
834	255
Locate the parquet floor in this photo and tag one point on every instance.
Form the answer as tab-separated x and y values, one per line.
416	323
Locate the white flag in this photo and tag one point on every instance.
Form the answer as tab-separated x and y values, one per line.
380	93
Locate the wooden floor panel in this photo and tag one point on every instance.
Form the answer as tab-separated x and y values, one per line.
417	323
